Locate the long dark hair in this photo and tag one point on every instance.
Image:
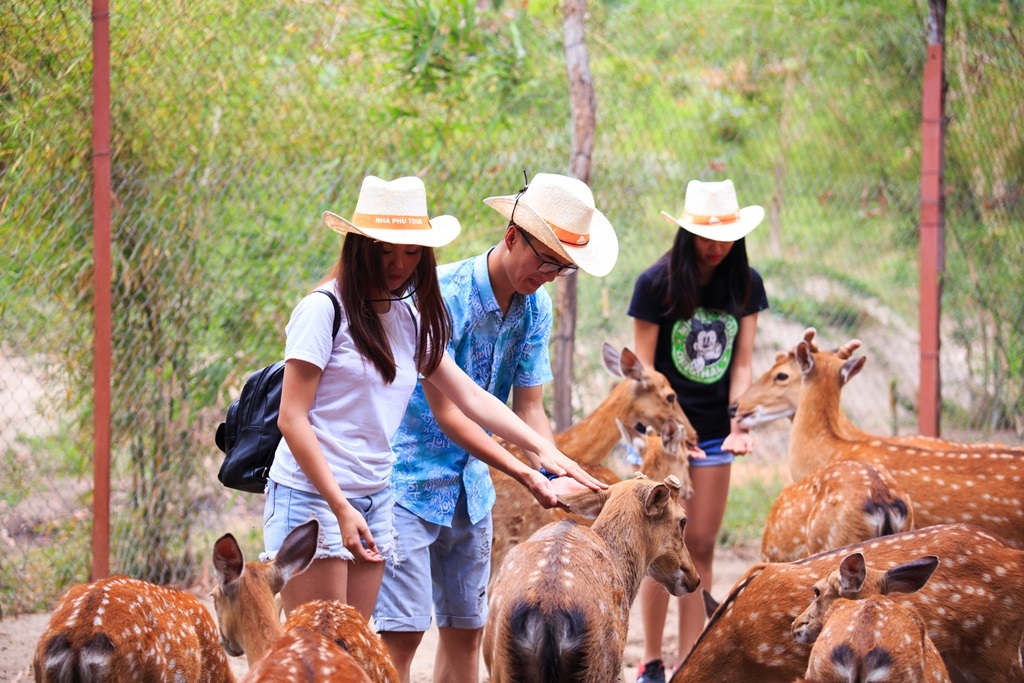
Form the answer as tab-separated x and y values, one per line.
728	290
360	275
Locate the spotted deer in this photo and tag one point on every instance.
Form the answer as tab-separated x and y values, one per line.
559	608
249	622
982	488
641	396
842	503
875	639
774	395
973	608
858	631
123	629
304	656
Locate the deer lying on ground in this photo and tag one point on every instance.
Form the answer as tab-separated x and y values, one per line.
642	396
842	503
249	622
973	607
982	488
123	629
559	608
775	394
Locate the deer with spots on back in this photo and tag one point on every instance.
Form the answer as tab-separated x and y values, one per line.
559	608
870	638
973	608
982	488
318	636
642	395
842	503
123	629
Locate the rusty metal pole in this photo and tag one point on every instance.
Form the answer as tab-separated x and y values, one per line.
932	239
101	279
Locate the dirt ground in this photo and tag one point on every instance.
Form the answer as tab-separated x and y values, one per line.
18	635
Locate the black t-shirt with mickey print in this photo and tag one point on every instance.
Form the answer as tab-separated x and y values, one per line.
695	355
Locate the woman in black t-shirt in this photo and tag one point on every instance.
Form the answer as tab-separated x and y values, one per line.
695	318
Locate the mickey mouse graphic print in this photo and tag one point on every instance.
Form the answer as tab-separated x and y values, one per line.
702	345
695	354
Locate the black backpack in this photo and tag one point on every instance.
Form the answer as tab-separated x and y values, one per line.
249	434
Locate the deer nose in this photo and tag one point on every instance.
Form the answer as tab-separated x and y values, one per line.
733	408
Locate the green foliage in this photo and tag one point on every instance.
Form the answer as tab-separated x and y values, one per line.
748	508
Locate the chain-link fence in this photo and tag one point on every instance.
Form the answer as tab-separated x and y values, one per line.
236	124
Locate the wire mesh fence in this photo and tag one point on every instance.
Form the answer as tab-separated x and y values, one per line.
236	125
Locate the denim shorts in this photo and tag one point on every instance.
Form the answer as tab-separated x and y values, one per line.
287	508
439	567
716	456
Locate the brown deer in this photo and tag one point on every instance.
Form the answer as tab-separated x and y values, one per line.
559	609
124	629
973	606
775	394
642	396
840	504
248	615
858	631
982	488
875	639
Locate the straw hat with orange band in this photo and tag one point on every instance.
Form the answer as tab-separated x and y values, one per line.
395	211
711	210
559	211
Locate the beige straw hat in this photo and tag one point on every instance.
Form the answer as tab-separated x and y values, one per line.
711	210
559	211
395	211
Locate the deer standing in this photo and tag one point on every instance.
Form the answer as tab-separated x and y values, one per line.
842	503
775	395
642	396
249	622
123	629
560	604
982	488
973	607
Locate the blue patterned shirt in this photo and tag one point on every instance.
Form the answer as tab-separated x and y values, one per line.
497	352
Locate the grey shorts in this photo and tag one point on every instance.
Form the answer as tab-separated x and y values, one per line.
436	568
287	508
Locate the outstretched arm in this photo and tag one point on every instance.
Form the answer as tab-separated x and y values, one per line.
479	407
741	375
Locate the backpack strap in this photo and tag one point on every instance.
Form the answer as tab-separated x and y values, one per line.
337	312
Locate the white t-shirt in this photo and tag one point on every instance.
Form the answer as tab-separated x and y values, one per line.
354	412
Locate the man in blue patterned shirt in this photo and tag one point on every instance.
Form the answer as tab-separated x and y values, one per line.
501	326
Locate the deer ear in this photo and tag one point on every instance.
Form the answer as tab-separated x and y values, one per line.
671	436
610	358
710	604
297	550
587	504
631	366
909	577
851	574
851	368
228	562
656	499
804	357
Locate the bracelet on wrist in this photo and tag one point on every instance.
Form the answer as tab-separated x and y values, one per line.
550	475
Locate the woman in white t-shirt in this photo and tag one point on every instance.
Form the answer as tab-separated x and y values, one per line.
344	396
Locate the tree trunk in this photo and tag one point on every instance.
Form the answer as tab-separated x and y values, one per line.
582	109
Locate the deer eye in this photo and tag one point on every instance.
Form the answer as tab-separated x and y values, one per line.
817	593
781	377
671	398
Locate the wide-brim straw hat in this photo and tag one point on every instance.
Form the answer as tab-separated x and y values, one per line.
395	211
559	211
711	210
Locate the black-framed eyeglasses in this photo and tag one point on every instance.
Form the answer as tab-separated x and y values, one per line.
544	265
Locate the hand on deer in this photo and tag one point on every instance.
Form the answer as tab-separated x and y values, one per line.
556	462
739	442
354	531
